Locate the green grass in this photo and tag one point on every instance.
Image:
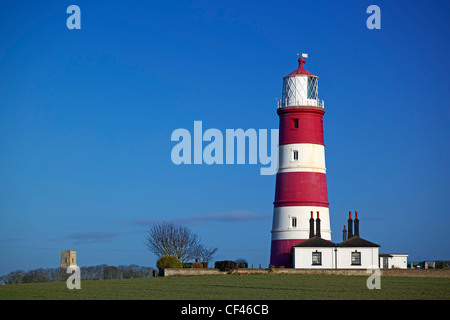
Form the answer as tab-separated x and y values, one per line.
244	287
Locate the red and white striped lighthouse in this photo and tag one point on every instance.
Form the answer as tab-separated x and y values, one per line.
301	186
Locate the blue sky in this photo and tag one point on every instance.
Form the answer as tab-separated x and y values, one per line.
86	118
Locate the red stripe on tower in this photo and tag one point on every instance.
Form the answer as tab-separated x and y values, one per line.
301	125
301	188
301	185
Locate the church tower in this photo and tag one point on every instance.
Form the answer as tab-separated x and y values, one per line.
68	258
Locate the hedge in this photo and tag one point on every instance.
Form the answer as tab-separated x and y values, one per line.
225	265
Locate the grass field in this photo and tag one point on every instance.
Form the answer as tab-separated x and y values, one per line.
244	287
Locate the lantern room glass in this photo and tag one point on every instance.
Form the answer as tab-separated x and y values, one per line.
312	88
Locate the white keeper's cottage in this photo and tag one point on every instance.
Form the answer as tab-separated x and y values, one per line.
353	252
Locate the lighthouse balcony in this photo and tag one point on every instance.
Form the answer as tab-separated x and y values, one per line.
300	103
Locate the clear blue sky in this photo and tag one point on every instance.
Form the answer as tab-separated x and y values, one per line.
86	118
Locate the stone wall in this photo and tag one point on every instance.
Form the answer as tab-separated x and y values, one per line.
384	272
189	272
435	273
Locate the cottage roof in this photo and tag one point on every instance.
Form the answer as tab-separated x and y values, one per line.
356	241
315	242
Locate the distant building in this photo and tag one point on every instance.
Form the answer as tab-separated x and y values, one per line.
68	258
421	265
393	261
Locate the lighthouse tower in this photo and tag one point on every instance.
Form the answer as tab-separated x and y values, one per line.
301	186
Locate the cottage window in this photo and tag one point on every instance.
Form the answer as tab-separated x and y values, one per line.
317	258
356	258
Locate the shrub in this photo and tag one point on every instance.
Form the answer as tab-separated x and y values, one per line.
198	265
225	265
168	262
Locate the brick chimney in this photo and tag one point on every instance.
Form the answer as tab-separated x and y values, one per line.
318	225
311	226
350	225
356	224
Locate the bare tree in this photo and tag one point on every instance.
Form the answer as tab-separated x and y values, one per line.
167	239
204	254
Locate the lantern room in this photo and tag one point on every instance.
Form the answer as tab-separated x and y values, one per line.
300	88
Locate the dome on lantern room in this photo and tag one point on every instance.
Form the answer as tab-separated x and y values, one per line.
300	88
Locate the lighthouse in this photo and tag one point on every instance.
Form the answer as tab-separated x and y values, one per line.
301	185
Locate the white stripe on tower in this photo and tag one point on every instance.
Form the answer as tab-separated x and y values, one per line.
306	157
